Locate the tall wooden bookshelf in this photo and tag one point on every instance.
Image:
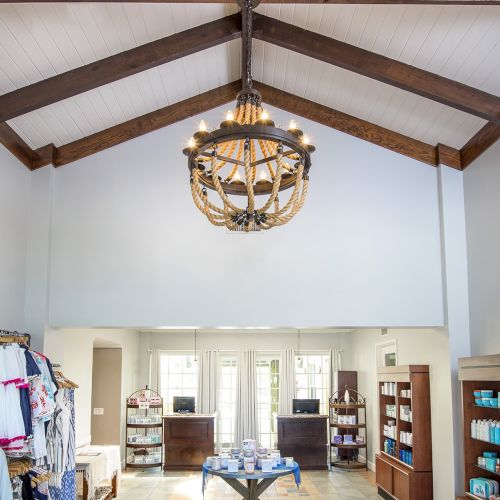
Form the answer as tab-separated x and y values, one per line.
476	373
398	477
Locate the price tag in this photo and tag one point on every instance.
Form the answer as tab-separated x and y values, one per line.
143	405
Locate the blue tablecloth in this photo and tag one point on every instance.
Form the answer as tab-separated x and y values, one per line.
295	470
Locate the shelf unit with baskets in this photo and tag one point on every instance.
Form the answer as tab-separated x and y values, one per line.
404	461
347	418
144	429
479	373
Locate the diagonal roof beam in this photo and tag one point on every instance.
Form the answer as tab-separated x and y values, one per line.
118	66
348	124
136	127
479	143
169	115
381	68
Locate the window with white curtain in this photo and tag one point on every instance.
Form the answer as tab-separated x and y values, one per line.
226	411
312	378
268	387
178	377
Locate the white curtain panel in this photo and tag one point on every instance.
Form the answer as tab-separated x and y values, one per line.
154	369
335	366
246	398
208	380
287	381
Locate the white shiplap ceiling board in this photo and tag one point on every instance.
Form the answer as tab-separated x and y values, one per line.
458	42
363	97
136	95
38	41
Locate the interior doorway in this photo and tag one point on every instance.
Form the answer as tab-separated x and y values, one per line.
106	395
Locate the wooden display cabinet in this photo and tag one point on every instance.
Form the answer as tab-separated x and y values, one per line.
397	476
476	373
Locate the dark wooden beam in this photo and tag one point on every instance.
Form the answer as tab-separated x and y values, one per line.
11	140
118	66
169	115
381	68
351	125
448	156
146	123
478	144
322	2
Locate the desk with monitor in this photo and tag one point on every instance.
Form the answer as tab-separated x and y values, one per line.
188	437
304	435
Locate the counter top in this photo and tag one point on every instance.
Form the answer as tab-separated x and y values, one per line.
303	415
189	415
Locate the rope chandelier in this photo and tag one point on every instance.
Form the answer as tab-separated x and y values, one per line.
249	157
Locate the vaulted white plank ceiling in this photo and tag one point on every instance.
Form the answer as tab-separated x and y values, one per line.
38	41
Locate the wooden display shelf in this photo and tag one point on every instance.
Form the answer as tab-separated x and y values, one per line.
396	459
150	406
477	373
486	470
470	495
485	443
144	466
394	476
144	426
350	406
349	426
152	445
349	464
347	446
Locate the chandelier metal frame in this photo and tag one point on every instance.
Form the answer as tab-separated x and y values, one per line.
285	153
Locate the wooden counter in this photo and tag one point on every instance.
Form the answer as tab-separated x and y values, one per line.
188	439
305	438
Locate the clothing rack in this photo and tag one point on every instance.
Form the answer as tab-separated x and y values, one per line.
8	337
19	467
62	381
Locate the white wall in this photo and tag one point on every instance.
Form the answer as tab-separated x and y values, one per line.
73	350
129	247
14	201
426	346
482	212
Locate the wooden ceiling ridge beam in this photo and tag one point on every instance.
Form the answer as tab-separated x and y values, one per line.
384	69
290	2
118	66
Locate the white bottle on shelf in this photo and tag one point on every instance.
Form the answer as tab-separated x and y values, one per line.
473	429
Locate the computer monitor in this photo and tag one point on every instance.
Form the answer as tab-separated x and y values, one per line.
183	404
305	406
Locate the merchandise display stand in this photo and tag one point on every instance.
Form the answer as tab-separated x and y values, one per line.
348	404
144	416
404	462
475	374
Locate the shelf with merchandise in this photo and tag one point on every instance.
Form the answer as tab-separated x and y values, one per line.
144	427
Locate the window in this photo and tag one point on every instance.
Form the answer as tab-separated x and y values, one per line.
226	411
312	372
178	377
268	386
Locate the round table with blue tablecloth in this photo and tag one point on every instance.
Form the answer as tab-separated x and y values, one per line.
256	483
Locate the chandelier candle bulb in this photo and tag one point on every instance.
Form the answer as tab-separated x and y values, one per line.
202	127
